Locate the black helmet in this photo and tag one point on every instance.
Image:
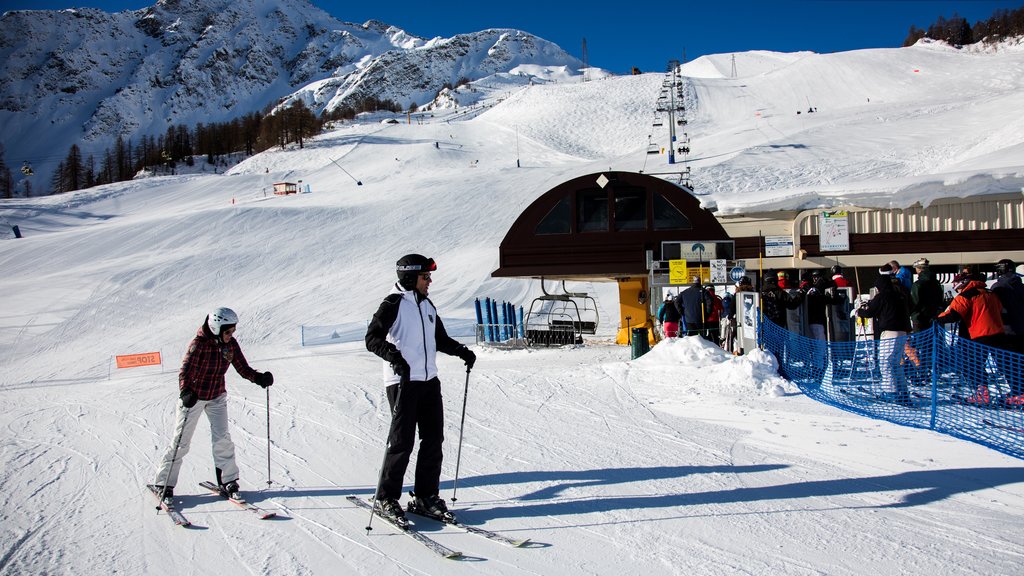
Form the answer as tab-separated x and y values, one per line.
771	278
1005	266
837	269
410	266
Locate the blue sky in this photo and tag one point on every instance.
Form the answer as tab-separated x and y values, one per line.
648	34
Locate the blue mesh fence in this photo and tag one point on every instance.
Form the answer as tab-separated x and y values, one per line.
932	379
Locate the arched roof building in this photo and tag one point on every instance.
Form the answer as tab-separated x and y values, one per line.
601	226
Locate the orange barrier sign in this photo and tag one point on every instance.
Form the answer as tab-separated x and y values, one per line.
136	360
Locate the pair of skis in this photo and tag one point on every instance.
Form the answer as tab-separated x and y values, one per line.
435	546
179	519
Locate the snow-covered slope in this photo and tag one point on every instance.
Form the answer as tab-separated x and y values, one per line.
889	127
687	461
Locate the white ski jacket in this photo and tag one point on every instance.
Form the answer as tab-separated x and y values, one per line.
407	325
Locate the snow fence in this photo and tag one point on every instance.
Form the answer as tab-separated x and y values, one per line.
932	379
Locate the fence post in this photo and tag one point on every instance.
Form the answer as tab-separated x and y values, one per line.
935	379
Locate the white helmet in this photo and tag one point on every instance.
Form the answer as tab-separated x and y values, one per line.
221	317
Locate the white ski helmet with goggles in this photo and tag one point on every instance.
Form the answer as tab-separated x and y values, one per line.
220	318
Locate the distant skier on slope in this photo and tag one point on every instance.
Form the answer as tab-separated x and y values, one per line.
202	389
407	333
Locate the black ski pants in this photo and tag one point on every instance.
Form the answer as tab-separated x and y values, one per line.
414	405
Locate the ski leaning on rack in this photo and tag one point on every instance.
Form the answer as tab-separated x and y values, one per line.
263	514
177	517
431	544
489	534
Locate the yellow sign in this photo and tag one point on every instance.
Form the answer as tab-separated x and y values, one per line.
677	272
704	273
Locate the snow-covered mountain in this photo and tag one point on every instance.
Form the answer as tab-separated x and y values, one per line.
86	76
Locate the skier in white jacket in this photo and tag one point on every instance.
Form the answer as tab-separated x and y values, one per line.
407	333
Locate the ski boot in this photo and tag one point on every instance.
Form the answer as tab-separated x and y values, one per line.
231	490
391	510
432	506
166	493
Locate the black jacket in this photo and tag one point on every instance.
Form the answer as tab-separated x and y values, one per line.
775	302
669	312
926	299
1010	290
690	303
821	295
889	307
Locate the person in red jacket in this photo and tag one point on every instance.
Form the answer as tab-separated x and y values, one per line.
202	389
841	281
713	321
980	312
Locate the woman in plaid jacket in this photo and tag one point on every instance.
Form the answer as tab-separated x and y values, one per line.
202	389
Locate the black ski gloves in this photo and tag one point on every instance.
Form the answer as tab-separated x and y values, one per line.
188	398
265	380
467	356
401	367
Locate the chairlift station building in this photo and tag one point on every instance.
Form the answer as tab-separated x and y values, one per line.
627	227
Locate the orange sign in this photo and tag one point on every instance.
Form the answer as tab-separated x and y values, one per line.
136	360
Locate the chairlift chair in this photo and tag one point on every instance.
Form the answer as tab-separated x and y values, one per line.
557	319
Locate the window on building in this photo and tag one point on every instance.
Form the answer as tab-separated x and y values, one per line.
591	211
558	220
667	216
630	210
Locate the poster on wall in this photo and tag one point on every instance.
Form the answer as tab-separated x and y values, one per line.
835	231
778	246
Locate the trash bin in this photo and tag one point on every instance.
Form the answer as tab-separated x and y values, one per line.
640	345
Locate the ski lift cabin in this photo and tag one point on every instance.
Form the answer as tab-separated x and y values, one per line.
285	188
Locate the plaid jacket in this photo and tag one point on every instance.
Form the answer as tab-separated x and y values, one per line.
206	362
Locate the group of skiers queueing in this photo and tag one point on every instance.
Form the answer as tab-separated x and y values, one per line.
406	332
993	316
696	311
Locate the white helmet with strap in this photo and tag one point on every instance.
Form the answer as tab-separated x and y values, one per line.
220	318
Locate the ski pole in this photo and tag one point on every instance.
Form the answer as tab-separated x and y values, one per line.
268	435
387	446
174	455
458	456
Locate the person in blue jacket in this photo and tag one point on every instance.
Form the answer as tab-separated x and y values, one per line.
903	274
